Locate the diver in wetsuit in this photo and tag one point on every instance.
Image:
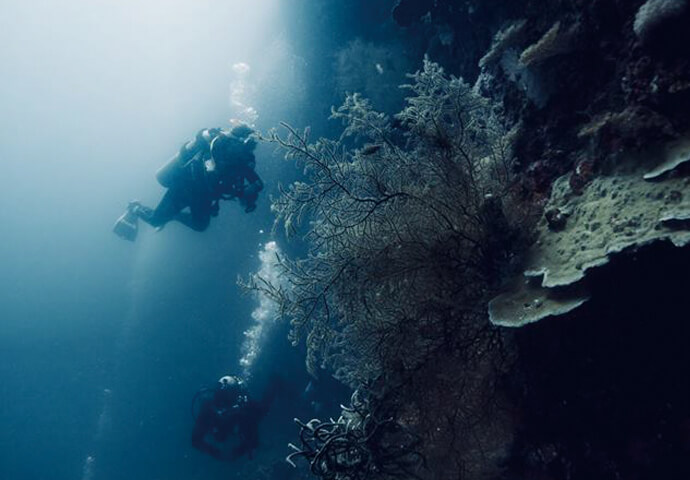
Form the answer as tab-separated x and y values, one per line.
216	165
229	409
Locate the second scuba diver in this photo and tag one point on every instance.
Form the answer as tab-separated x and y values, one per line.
228	409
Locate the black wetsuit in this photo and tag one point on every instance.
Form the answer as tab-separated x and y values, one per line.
191	191
193	187
217	422
218	418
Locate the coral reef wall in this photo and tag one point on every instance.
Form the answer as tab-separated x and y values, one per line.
591	100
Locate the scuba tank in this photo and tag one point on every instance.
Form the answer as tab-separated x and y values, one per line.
168	173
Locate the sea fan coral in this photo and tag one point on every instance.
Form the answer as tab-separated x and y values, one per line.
399	215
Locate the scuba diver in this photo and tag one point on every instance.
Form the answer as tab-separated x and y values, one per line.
228	409
216	165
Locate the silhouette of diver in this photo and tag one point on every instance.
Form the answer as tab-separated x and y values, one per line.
216	165
228	409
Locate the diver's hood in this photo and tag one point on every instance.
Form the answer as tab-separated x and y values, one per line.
230	381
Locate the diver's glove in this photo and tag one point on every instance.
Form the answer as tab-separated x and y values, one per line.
248	202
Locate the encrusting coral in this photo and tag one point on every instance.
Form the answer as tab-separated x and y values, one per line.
654	13
617	212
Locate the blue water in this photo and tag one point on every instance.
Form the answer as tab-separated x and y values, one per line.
103	343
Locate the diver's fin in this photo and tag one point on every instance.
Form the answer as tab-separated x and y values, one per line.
127	226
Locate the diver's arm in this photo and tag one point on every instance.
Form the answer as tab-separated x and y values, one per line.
255	183
202	427
202	445
248	430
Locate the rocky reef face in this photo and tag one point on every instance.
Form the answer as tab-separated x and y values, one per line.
585	80
598	93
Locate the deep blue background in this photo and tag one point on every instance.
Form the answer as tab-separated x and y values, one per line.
103	343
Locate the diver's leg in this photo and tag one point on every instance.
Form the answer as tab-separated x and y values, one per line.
167	209
204	426
198	217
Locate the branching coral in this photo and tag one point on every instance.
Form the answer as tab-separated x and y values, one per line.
363	443
399	215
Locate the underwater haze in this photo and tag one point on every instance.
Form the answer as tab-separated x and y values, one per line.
468	256
103	343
